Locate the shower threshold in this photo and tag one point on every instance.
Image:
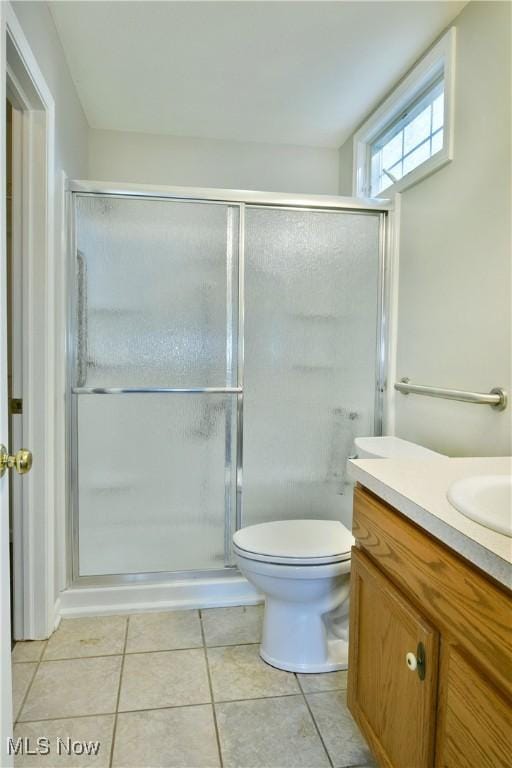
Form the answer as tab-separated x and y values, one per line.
165	594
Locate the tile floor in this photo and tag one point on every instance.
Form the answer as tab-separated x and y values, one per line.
183	689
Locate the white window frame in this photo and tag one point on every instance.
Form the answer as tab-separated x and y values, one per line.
439	61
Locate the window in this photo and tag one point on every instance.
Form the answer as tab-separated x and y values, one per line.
410	134
412	139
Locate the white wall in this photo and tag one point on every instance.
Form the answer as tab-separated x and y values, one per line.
158	159
345	163
454	316
71	125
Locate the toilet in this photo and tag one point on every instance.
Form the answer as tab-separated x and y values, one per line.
302	567
390	447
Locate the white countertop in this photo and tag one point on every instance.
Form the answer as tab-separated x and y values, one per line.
417	488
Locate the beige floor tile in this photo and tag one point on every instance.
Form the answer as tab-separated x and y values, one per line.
233	625
29	650
341	735
78	638
22	675
238	672
269	733
73	688
164	679
167	738
327	681
81	729
164	631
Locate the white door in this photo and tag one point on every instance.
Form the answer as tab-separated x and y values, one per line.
5	598
8	462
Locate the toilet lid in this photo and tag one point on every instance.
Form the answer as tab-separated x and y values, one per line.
295	541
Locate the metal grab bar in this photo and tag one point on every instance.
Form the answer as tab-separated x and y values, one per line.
156	390
497	398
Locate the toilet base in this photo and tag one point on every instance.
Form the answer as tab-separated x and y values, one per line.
297	638
327	666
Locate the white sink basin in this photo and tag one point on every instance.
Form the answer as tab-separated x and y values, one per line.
487	499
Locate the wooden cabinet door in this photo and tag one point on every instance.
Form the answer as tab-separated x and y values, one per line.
475	719
393	706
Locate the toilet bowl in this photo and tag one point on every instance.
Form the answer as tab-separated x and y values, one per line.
303	569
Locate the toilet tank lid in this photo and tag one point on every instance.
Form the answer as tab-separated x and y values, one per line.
296	539
391	447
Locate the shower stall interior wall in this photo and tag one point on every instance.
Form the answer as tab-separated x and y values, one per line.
224	356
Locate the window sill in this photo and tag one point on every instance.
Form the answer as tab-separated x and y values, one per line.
430	166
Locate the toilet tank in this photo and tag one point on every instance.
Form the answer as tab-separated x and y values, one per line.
390	447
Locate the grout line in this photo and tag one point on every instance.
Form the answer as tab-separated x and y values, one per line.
24	700
65	717
175	706
110	714
132	653
122	652
166	706
29	687
314	722
84	658
258	698
217	736
119	693
164	650
231	645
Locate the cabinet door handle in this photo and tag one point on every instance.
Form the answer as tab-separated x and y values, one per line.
416	662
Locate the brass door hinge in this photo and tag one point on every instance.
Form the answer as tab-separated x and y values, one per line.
16	405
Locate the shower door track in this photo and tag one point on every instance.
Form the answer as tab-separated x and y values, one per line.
240	199
234	196
157	390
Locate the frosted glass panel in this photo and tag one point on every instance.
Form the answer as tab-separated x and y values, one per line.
154	481
156	292
156	306
311	288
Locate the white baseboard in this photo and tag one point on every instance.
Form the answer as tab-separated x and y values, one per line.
164	596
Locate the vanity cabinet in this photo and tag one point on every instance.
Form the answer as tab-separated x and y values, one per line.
394	704
430	669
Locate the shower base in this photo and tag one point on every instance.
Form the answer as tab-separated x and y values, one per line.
137	596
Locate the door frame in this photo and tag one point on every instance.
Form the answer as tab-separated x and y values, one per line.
34	530
35	570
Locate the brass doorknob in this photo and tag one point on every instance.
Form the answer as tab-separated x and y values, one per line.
21	461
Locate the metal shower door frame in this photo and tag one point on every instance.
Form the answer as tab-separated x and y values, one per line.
231	199
232	388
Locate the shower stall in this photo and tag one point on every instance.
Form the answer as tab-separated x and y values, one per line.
225	350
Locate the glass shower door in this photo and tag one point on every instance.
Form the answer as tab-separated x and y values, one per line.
311	306
155	395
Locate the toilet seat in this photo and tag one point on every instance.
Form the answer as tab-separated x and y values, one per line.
295	542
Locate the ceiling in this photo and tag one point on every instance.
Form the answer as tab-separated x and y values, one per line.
282	72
